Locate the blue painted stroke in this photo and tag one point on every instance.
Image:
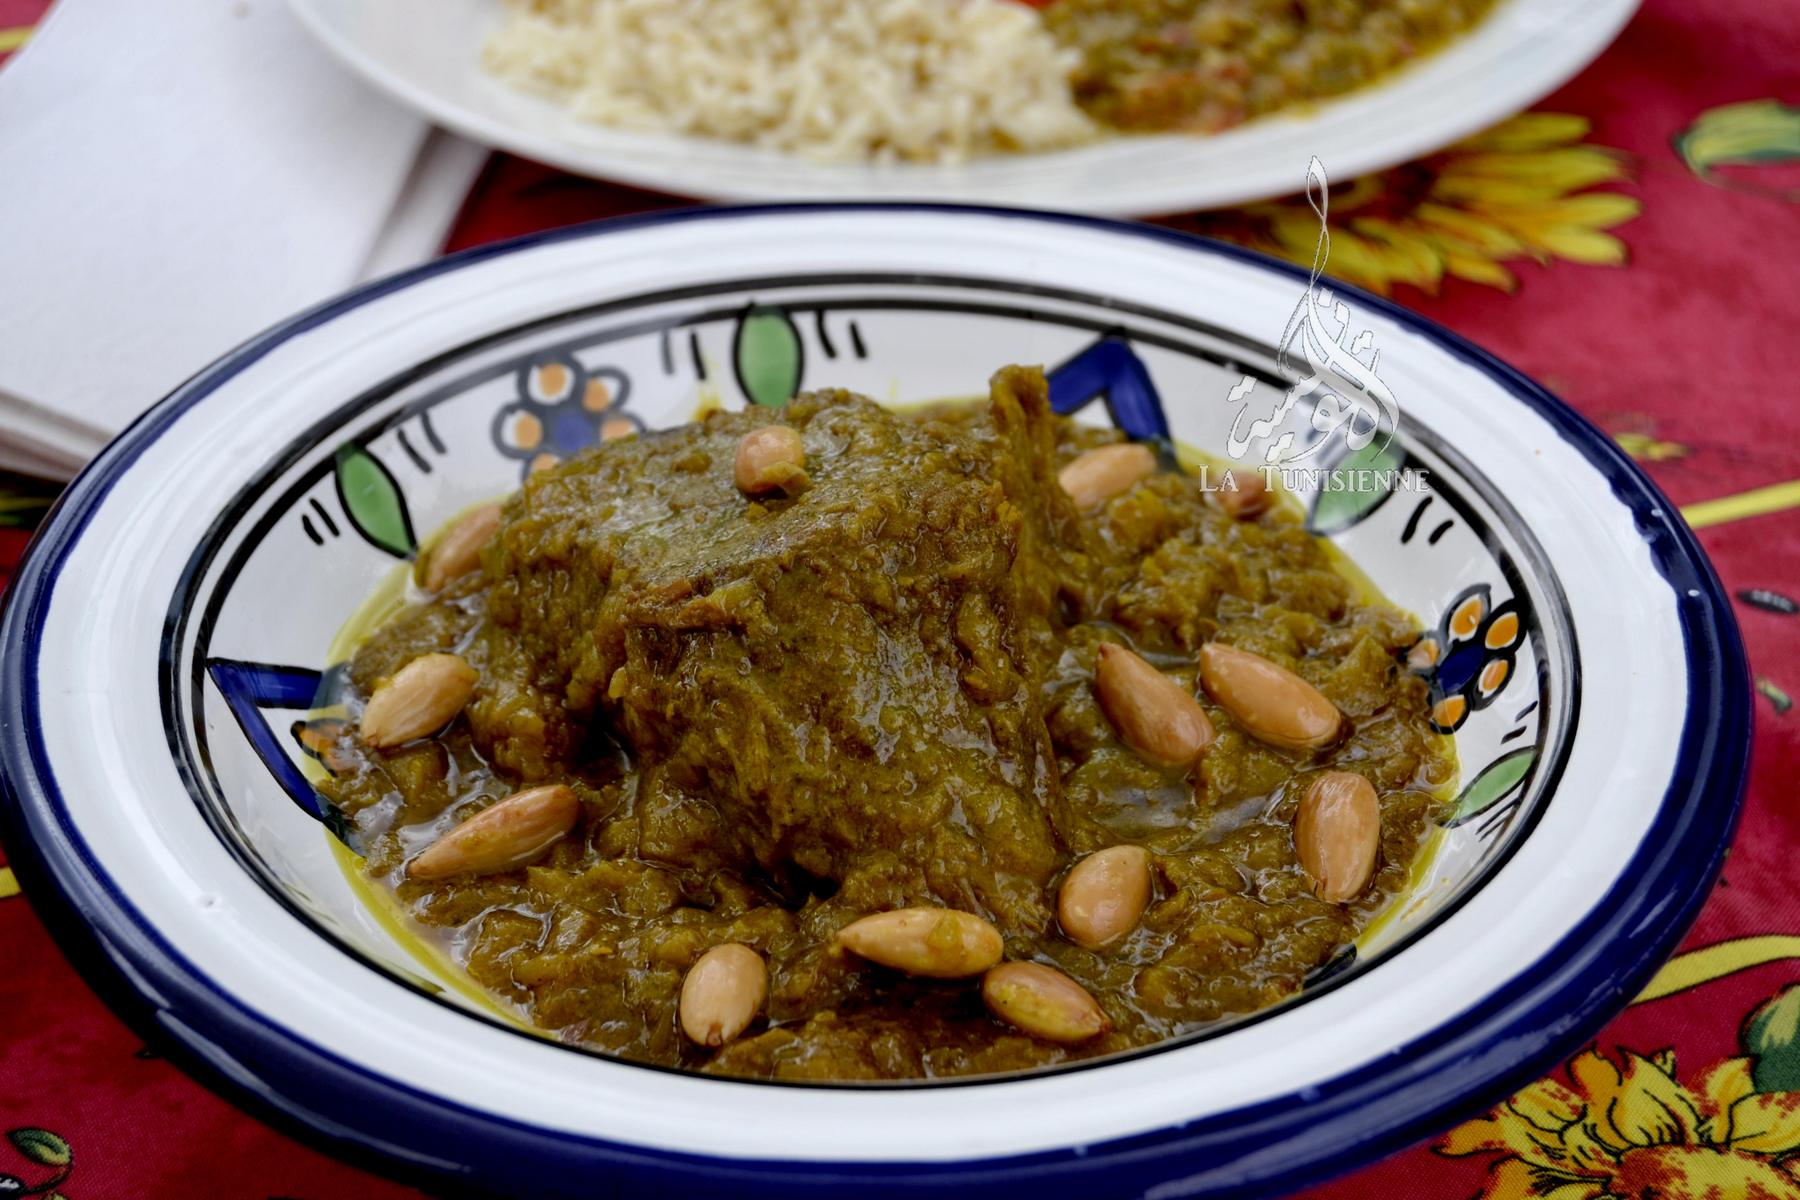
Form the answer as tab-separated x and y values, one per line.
1110	369
250	687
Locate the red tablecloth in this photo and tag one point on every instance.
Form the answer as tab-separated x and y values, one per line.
1634	243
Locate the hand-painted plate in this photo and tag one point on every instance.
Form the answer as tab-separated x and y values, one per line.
426	54
176	620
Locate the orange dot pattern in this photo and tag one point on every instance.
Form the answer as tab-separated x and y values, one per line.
561	407
1472	627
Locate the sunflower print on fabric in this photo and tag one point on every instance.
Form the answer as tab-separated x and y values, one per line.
1629	1128
1516	191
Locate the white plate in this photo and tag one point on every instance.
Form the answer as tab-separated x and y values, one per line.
426	54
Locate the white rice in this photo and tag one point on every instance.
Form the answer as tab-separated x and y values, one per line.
929	80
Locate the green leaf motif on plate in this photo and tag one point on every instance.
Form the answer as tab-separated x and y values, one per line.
1771	1036
1339	508
41	1147
374	501
1496	780
769	358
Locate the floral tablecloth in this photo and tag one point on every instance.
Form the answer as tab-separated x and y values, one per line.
1634	243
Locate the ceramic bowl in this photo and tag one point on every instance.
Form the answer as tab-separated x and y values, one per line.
174	625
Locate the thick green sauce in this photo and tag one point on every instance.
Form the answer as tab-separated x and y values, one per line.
782	716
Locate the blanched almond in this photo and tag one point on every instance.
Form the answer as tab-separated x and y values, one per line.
1104	896
1272	703
721	994
510	834
1154	715
770	459
458	550
1247	497
939	943
1106	471
421	698
1043	1002
1337	834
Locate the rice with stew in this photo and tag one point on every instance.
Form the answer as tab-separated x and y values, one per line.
929	80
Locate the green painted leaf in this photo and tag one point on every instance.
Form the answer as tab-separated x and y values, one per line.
1756	131
1341	507
374	502
1775	695
1491	786
768	356
41	1146
1771	1036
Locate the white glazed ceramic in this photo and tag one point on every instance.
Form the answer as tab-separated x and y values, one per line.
426	54
177	614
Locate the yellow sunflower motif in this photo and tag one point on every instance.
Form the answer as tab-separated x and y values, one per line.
1515	191
1632	1131
1647	448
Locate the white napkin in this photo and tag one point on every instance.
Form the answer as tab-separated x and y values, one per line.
176	176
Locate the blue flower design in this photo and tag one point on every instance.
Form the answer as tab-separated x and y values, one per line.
563	408
1470	656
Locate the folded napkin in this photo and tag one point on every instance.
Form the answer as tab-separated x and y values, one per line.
177	177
